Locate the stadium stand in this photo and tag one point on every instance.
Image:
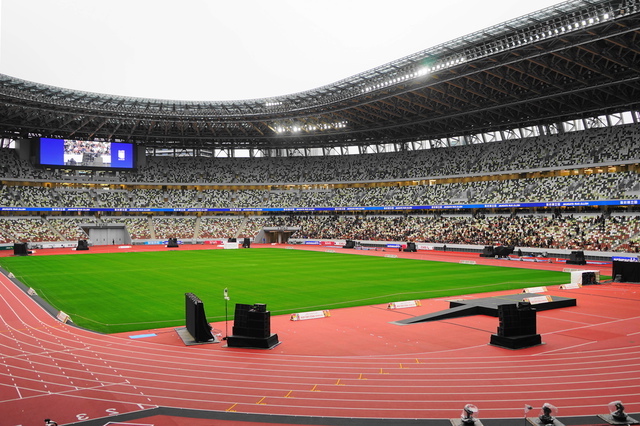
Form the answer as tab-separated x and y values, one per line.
574	166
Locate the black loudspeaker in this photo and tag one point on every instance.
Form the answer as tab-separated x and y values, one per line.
172	242
411	247
197	324
517	327
259	307
503	251
246	243
487	251
82	245
252	327
350	244
232	240
626	272
252	321
576	258
589	278
516	320
20	249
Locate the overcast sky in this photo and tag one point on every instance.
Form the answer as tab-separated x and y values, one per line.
226	50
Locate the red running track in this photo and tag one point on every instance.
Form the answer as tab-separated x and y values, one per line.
352	364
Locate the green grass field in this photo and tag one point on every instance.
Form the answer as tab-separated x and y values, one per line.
136	291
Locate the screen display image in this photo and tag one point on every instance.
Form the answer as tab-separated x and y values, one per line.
74	153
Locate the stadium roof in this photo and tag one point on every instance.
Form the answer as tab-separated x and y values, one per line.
572	60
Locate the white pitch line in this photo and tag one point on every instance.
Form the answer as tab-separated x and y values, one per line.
594	325
18	390
562	349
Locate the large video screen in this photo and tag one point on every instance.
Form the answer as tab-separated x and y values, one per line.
74	153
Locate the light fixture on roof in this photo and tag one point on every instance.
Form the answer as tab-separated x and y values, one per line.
297	128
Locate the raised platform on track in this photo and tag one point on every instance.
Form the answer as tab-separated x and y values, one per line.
487	306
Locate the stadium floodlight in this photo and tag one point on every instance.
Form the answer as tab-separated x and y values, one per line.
411	75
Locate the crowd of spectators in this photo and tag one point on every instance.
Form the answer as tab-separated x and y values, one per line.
213	227
174	226
554	231
488	173
147	198
253	225
589	232
609	145
113	198
70	227
30	229
560	150
583	187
